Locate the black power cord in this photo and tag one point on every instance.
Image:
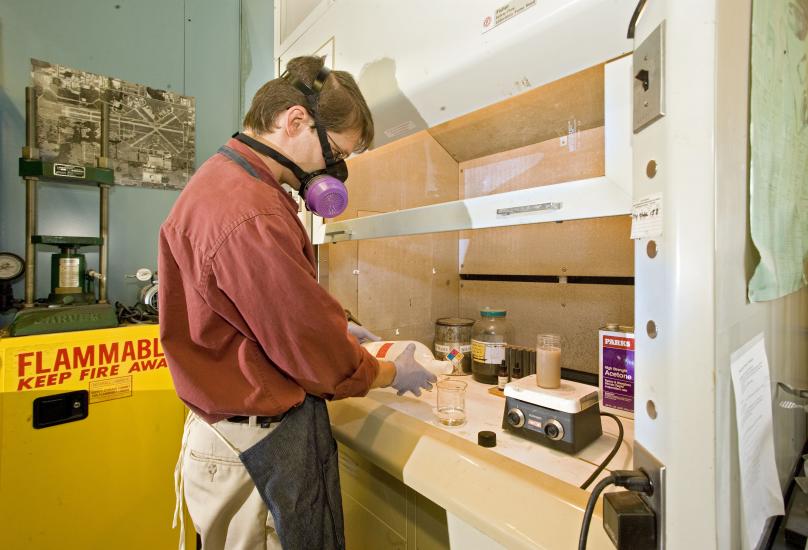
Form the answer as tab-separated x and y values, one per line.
633	480
590	509
138	314
610	456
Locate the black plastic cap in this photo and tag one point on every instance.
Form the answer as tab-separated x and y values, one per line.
486	439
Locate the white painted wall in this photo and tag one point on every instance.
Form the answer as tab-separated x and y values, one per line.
292	13
785	321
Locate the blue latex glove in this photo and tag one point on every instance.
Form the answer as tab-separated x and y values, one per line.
361	333
410	375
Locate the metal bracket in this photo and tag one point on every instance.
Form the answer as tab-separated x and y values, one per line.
68	173
655	470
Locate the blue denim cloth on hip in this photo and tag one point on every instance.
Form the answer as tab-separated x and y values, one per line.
296	470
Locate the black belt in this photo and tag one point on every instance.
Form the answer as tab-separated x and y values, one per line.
263	421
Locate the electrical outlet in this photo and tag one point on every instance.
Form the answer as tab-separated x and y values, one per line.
655	470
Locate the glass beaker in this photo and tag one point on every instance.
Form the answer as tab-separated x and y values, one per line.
451	409
548	361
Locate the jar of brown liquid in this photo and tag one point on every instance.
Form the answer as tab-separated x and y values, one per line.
548	361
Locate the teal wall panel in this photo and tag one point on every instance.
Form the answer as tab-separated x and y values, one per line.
257	45
188	46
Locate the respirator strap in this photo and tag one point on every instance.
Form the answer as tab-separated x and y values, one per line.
274	155
334	167
313	99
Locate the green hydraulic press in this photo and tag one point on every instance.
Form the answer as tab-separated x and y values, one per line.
72	304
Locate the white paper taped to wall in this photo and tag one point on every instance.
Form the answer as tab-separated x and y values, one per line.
761	495
646	217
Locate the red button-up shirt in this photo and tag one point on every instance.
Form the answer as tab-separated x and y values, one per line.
245	326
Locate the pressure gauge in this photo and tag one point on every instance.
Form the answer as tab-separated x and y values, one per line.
143	274
11	266
148	296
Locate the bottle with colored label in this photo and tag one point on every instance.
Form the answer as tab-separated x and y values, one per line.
388	351
490	336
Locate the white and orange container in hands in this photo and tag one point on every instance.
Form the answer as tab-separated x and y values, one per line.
389	350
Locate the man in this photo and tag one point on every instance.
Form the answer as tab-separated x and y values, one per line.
254	344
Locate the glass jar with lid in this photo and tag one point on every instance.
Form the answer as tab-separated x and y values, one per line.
490	335
453	334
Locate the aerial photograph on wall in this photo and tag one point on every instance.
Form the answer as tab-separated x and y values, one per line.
151	131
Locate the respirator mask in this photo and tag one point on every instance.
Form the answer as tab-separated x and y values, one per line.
323	190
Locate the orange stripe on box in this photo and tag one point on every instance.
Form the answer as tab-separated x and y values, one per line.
383	350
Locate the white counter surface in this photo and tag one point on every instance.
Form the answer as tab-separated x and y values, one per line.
484	412
520	494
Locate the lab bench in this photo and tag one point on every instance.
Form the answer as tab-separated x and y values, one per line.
416	482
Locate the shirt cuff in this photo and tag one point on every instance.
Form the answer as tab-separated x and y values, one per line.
360	381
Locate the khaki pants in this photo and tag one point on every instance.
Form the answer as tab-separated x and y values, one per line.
224	505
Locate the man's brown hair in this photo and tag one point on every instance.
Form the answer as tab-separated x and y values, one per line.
341	105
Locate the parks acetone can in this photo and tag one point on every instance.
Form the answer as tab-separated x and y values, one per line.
616	369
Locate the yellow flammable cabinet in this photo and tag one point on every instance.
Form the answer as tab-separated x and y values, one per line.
90	430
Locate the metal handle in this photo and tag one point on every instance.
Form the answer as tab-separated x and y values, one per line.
802	393
632	25
529	208
334	234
